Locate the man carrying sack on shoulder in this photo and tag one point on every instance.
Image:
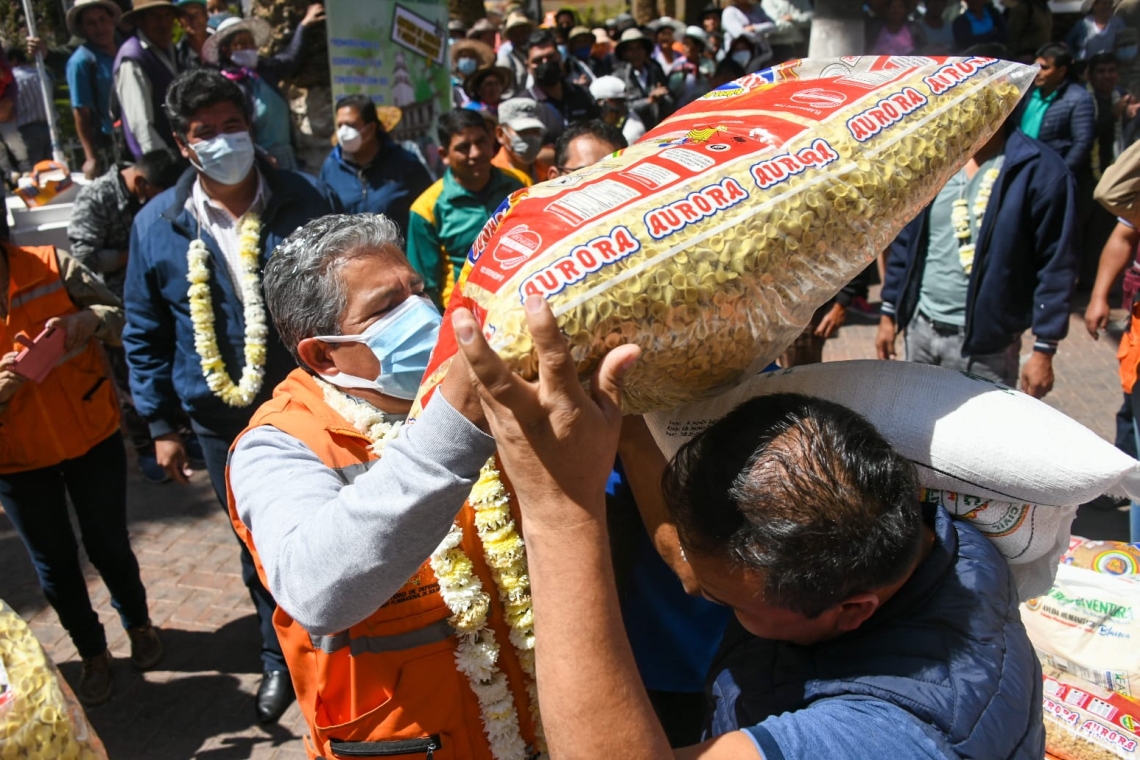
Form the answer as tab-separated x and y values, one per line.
394	644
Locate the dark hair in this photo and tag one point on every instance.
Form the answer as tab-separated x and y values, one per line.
805	491
455	121
16	55
988	50
161	167
1102	59
539	38
729	70
196	89
363	105
595	128
1060	54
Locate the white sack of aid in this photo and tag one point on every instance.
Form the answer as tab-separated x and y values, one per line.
1013	466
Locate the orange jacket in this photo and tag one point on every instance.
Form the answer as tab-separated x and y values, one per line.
391	676
1129	351
75	407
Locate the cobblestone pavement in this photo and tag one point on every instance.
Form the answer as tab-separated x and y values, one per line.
199	703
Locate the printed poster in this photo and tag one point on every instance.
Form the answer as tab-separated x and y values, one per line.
396	54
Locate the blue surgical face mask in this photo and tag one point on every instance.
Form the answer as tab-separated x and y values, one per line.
225	158
402	340
247	59
467	66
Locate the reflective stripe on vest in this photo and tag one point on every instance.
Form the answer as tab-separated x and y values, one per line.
34	293
419	637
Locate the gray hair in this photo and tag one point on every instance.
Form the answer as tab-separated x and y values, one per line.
303	288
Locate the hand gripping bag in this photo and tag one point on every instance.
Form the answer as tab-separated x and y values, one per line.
712	240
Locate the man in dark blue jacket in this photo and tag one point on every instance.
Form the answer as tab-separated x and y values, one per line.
207	347
370	173
992	256
1059	112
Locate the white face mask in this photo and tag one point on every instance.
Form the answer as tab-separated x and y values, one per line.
225	158
742	57
247	59
349	138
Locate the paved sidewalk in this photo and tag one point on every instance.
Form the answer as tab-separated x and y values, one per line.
200	703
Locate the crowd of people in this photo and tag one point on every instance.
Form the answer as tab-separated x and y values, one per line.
260	320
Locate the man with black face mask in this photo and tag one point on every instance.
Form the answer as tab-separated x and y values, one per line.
560	101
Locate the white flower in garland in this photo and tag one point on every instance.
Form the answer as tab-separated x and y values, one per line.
960	218
505	552
366	419
202	317
477	653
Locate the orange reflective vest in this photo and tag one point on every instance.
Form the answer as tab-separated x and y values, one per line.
1128	352
391	677
75	406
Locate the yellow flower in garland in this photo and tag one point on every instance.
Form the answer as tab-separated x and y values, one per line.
202	317
477	653
505	553
960	218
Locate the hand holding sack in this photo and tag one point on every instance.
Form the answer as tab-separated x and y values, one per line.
712	241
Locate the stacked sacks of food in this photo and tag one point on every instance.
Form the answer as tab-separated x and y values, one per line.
40	719
712	241
1012	465
1086	630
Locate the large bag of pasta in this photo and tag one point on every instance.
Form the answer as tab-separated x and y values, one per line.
1088	624
713	239
40	718
1088	723
1012	465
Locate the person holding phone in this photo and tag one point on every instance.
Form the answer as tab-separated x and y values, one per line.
59	438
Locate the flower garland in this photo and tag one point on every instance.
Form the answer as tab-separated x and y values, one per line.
477	652
202	317
366	419
505	553
461	590
960	218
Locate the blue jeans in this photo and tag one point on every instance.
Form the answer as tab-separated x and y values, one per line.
36	503
215	450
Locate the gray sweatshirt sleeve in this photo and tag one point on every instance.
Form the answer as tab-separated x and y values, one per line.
334	553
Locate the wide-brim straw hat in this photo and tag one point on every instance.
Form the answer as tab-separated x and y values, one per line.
665	21
82	5
482	26
481	51
258	27
698	34
634	37
472	83
517	19
138	6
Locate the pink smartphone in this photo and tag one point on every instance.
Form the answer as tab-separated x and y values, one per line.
40	355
